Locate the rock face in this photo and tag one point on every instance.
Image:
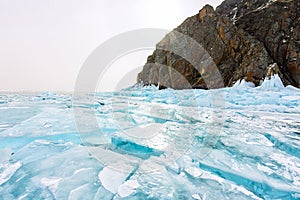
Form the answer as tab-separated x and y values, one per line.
243	37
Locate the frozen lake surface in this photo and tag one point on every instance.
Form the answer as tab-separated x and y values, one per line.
152	144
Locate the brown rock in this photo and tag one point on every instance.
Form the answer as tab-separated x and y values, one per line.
276	25
207	11
272	70
240	43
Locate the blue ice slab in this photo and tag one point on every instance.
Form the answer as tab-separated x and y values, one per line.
261	189
129	147
292	150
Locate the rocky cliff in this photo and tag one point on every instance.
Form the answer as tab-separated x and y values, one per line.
243	37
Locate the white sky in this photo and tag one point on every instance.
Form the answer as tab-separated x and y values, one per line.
43	43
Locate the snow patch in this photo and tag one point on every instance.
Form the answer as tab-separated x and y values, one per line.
128	188
235	10
51	183
9	172
111	179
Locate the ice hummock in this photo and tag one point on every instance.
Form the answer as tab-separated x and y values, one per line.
272	83
242	84
159	144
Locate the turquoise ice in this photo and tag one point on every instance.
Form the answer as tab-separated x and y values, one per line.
164	141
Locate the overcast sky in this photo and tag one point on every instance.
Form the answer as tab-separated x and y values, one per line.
43	43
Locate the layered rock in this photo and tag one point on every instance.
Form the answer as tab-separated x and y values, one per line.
242	37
